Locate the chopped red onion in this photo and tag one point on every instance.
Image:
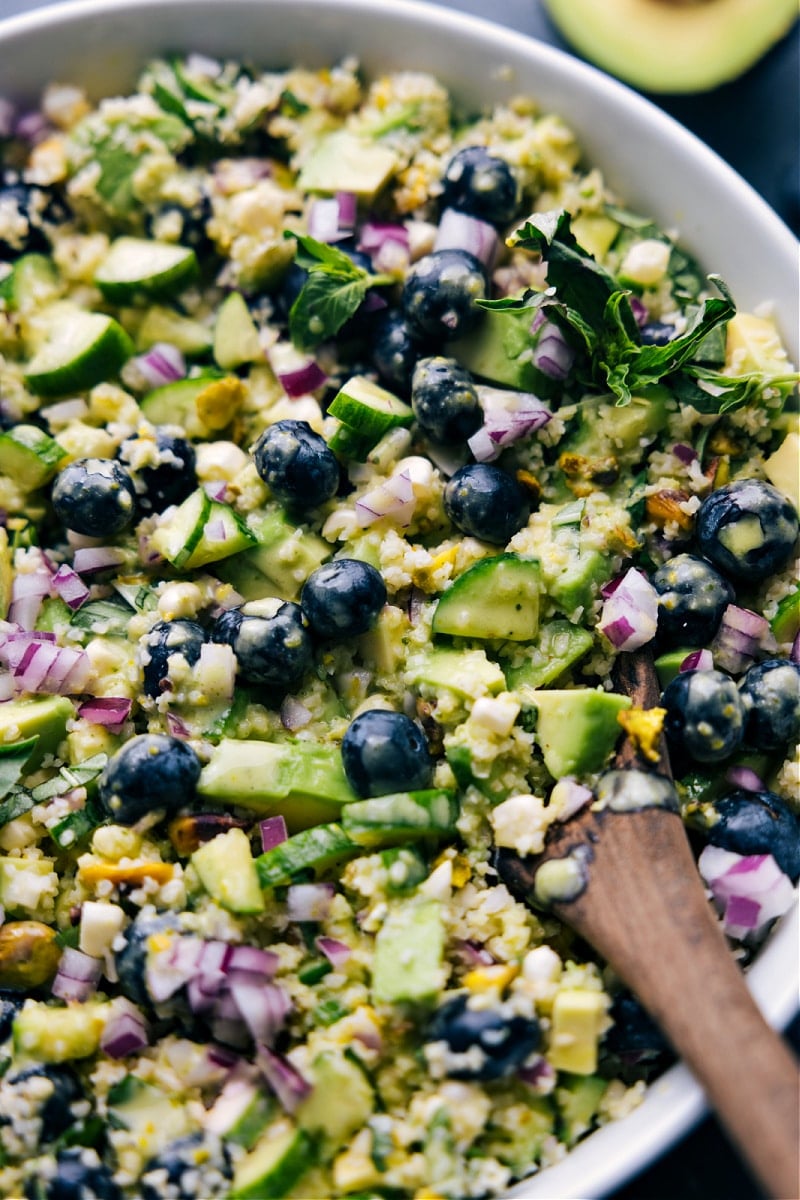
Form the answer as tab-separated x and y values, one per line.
32	127
217	489
111	711
331	220
508	417
177	726
552	354
215	530
28	590
685	454
608	589
233	1101
474	954
263	1008
394	498
336	952
252	960
88	560
459	231
795	654
697	660
70	587
538	1074
285	1080
305	379
77	975
745	778
740	637
751	890
374	234
125	1031
273	832
161	364
294	715
6	688
630	613
169	970
41	666
639	311
572	797
348	210
309	901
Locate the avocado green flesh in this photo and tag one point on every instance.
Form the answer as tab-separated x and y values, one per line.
667	47
577	729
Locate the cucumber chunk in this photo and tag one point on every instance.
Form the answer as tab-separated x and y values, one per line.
314	849
176	404
496	598
559	646
80	350
33	283
29	456
401	817
368	410
201	531
161	324
235	334
227	872
134	265
273	1167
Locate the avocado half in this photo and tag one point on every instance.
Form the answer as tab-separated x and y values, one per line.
673	45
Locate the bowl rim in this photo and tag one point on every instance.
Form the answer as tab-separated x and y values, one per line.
615	1153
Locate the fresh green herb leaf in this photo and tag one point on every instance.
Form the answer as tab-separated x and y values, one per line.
77	826
335	288
13	759
713	392
16	804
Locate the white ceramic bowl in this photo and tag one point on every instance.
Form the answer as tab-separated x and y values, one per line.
652	162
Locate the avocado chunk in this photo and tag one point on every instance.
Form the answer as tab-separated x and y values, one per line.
345	162
52	1035
668	665
227	872
578	1098
577	729
499	351
781	468
303	781
44	717
153	1116
274	1166
235	334
333	1073
467	673
407	966
673	47
496	598
559	646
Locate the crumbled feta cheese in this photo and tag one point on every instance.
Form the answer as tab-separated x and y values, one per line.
520	823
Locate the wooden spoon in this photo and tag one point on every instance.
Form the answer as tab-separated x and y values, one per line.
645	911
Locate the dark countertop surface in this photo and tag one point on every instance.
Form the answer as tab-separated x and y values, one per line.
754	124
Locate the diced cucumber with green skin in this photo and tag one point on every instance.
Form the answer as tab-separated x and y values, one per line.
241	1113
559	646
334	1074
462	765
273	1167
281	561
499	351
574	575
235	334
53	614
348	444
311	972
176	404
409	950
496	598
44	717
668	665
153	1116
77	826
227	872
405	868
161	324
401	817
578	1100
369	410
303	781
29	456
133	265
785	624
80	350
344	162
316	849
201	531
44	1033
468	673
577	729
33	283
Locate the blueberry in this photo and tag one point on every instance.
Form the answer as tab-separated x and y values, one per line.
292	284
758	823
492	1044
342	599
79	1175
10	1004
178	223
30	209
394	350
439	295
771	693
151	771
486	503
656	333
95	496
444	400
55	1109
297	465
481	184
692	596
270	641
174	1171
385	752
634	1032
131	960
165	639
705	715
748	529
171	479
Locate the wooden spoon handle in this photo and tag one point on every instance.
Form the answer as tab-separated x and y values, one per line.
647	914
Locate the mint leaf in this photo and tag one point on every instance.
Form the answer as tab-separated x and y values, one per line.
335	288
13	760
